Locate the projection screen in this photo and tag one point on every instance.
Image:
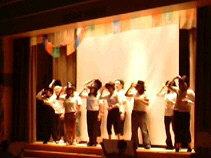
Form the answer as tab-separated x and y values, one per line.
151	55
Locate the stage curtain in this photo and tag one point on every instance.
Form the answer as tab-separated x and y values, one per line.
32	91
64	67
1	90
20	107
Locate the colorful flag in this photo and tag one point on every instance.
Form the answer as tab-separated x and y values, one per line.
48	47
116	26
56	52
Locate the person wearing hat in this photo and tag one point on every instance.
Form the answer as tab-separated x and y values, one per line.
72	103
181	120
139	113
113	117
90	92
45	96
119	87
170	99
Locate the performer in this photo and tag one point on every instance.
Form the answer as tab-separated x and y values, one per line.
119	87
113	109
139	113
170	99
45	96
181	121
72	105
90	92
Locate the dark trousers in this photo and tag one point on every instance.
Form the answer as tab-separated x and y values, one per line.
58	127
122	123
92	125
70	124
113	119
98	128
168	121
139	119
47	122
181	126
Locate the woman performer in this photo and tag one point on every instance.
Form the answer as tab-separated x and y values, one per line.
181	121
72	105
113	109
90	92
139	113
170	99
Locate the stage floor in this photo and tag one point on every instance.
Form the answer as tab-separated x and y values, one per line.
52	150
83	145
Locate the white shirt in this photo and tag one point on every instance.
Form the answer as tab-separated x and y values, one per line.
58	104
93	103
170	99
71	103
138	106
113	99
184	100
122	100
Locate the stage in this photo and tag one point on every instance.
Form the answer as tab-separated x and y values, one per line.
52	150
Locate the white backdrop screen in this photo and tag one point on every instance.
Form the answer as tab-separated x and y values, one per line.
151	55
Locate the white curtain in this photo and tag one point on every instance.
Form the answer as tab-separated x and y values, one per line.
150	54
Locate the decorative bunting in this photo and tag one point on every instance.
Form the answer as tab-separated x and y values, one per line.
79	36
33	41
157	20
48	47
70	48
56	52
116	27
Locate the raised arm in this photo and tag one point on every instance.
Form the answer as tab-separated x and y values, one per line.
131	91
51	84
161	93
39	95
84	93
101	93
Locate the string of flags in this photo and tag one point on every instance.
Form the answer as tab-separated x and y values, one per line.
71	38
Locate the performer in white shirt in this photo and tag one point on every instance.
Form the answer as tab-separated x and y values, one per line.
90	92
181	122
57	104
119	87
113	117
170	99
139	113
72	104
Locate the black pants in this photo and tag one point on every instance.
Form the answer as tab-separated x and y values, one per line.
181	126
58	127
139	119
92	125
122	123
98	128
168	121
113	119
47	122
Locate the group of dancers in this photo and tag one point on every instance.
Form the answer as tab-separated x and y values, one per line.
65	104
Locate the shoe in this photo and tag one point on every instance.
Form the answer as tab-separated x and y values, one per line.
45	142
176	149
89	144
189	149
61	141
95	144
147	147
